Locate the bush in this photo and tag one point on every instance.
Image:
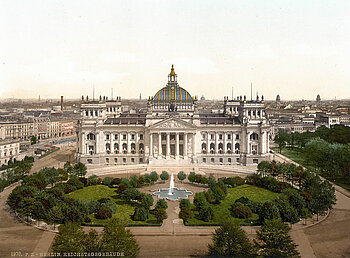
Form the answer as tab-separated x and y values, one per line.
253	179
103	213
107	181
206	213
147	201
185	213
161	203
164	176
160	215
184	203
199	200
140	214
92	206
241	212
92	180
239	181
75	182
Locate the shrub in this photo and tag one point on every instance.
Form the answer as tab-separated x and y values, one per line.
75	182
140	214
160	215
92	206
147	201
164	176
241	212
239	181
253	179
92	180
206	213
154	176
184	203
185	213
107	181
103	213
161	203
199	200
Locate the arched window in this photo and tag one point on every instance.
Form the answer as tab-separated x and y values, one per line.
212	146
133	146
108	148
91	136
229	148
125	148
141	148
237	148
116	148
254	137
204	148
221	146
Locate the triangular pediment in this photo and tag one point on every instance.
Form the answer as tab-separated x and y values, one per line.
172	123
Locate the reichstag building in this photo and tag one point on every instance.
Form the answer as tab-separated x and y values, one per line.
173	131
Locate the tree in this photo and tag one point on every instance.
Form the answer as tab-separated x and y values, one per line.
164	176
70	239
184	203
294	199
206	213
80	169
192	177
92	241
241	211
147	201
131	194
154	177
199	200
211	181
218	193
280	139
26	206
231	241
181	176
185	213
268	211
55	216
92	180
68	168
273	240
116	239
264	167
161	203
33	140
103	212
160	215
140	214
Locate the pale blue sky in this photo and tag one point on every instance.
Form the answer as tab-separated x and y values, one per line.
293	48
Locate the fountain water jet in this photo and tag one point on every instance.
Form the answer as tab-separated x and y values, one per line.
172	193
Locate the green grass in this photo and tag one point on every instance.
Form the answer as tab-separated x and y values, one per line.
297	155
124	209
221	211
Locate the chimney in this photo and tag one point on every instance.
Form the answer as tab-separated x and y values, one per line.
61	103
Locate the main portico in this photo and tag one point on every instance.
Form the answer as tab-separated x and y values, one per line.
173	131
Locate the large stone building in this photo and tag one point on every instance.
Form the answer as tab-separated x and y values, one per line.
172	131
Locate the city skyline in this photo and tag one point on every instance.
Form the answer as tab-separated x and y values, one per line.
294	49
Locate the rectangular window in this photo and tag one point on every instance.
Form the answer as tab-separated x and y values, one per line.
116	137
229	160
212	137
132	160
212	160
124	160
141	160
220	136
203	136
124	136
107	160
107	136
133	137
115	160
255	161
141	136
237	136
229	137
204	160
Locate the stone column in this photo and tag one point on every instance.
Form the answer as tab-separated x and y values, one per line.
216	143
194	144
159	145
167	145
177	147
185	145
151	144
128	143
208	142
224	142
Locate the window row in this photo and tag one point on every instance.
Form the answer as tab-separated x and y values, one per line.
220	148
220	136
124	149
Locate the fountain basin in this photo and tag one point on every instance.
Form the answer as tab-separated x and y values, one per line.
175	194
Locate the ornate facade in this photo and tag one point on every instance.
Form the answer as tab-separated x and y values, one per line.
173	131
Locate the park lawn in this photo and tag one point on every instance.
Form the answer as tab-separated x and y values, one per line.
221	211
124	210
297	155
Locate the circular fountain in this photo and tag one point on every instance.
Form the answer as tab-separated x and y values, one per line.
172	193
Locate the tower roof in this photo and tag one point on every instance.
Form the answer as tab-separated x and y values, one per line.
172	72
